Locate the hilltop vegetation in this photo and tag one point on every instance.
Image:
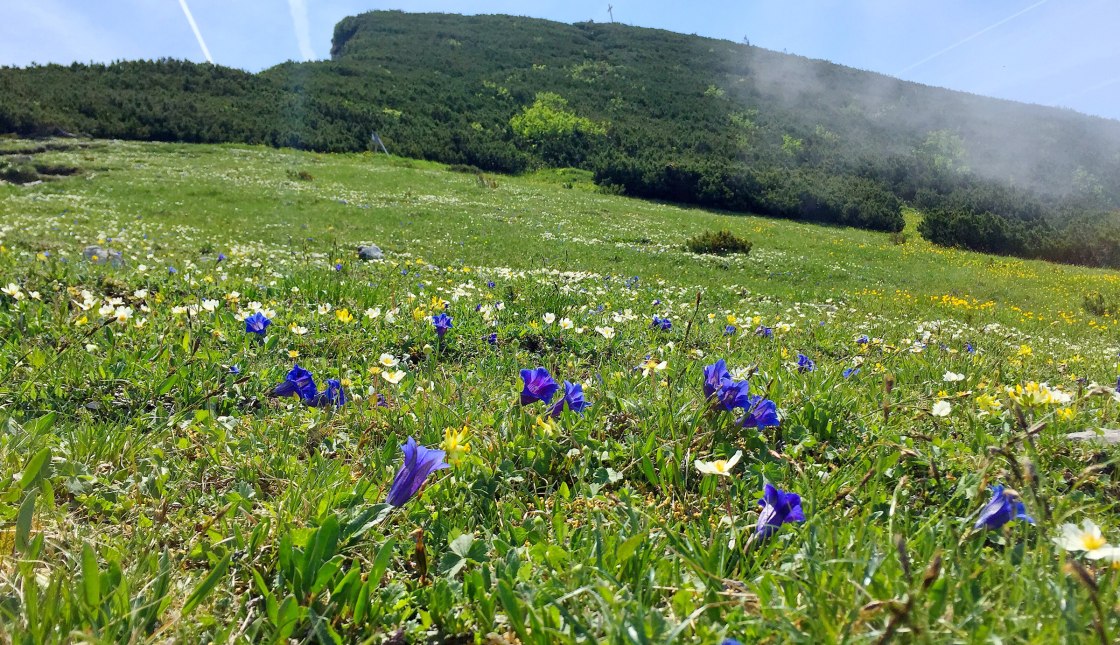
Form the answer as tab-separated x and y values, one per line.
650	113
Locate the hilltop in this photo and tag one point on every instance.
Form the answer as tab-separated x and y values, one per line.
651	113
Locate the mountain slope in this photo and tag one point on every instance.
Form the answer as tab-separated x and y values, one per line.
653	113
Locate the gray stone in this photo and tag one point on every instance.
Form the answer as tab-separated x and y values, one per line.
1103	435
370	252
100	255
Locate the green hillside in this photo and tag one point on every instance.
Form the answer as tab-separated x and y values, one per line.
651	113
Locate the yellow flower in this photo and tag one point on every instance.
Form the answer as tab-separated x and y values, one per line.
293	353
731	319
548	425
344	316
456	444
988	404
1064	413
1024	350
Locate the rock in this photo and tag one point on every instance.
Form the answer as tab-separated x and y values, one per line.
1103	435
370	252
100	255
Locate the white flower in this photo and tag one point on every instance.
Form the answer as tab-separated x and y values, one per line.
607	332
952	377
298	330
140	322
140	294
1107	553
388	360
393	377
122	314
391	316
325	308
34	295
106	310
719	466
373	312
142	268
566	323
210	305
549	318
941	409
1087	537
740	373
651	365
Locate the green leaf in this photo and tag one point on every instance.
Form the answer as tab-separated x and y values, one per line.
513	610
207	585
23	520
381	562
627	549
91	576
34	468
287	618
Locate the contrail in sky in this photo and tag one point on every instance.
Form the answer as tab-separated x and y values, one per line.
298	9
197	33
973	36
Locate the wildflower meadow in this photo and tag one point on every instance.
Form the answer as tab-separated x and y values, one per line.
537	418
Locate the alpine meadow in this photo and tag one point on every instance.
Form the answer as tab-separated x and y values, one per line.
579	362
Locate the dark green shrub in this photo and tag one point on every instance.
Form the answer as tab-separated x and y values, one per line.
1100	304
718	243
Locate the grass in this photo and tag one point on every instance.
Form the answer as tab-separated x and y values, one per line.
152	493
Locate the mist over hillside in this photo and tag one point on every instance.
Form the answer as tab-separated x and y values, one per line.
653	113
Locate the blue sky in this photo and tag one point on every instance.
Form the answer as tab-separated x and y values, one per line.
1054	52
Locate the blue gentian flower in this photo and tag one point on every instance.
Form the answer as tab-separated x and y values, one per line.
730	641
573	398
492	339
714	377
442	323
539	386
234	369
969	348
298	383
1003	507
419	462
662	323
338	267
490	284
804	363
333	395
734	394
729	330
172	270
778	508
851	371
764	331
257	324
221	258
863	340
761	413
